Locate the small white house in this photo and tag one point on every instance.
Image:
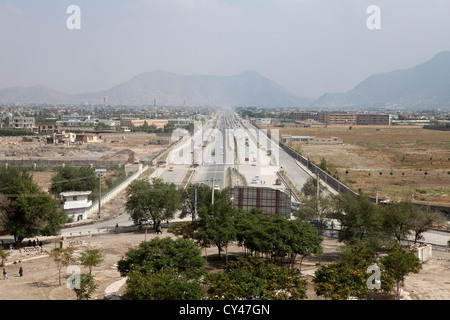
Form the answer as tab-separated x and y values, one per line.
76	204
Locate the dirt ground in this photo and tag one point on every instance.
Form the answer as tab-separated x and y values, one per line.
40	277
14	148
414	162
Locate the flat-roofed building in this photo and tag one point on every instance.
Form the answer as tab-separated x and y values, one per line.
8	120
158	123
76	204
340	118
373	119
286	138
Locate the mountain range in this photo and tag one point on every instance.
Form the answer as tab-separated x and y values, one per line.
425	86
246	89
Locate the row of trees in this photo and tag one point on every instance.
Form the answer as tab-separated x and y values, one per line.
83	284
219	223
363	220
167	269
349	275
371	234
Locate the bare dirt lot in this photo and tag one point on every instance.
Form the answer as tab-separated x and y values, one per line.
406	163
109	148
14	151
40	278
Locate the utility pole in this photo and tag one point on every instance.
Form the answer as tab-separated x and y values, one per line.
317	192
376	199
100	173
212	191
195	203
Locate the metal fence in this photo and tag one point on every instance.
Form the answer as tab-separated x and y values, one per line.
337	185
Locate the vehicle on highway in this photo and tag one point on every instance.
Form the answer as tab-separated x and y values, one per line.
170	168
295	205
162	164
216	187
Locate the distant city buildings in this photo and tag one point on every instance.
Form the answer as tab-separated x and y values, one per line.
8	120
331	118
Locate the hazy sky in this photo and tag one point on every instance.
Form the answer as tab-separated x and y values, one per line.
308	46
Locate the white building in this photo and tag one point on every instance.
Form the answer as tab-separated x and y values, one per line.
76	204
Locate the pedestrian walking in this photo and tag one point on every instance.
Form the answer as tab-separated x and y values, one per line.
158	228
11	248
5	274
20	271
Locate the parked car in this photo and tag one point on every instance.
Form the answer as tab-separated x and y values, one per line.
317	223
143	222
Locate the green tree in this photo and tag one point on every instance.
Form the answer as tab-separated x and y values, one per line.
399	263
163	269
348	276
317	203
319	208
75	179
251	278
216	226
361	220
245	222
91	258
303	240
188	198
86	288
277	236
398	219
179	255
309	188
163	285
62	258
28	211
154	200
423	220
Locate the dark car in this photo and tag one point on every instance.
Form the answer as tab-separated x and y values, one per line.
317	223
